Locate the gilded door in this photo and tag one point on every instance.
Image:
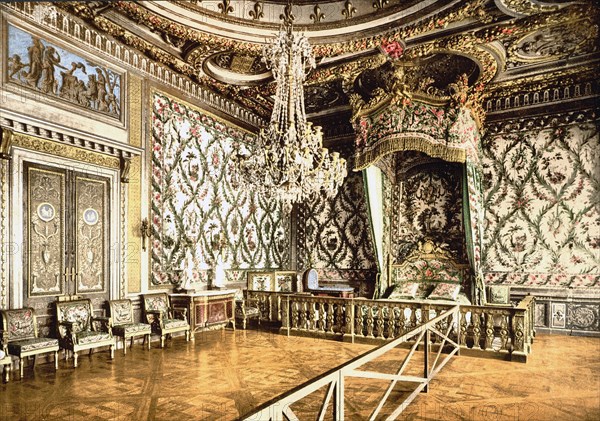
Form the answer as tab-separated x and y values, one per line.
66	233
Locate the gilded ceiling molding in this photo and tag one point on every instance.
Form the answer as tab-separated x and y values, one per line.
379	4
565	39
349	10
66	24
225	7
455	13
287	17
257	11
317	16
540	122
65	151
524	7
143	16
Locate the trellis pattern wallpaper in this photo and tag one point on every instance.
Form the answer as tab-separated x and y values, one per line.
428	204
542	201
199	211
334	235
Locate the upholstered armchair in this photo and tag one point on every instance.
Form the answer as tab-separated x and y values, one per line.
79	330
163	318
20	336
121	313
246	308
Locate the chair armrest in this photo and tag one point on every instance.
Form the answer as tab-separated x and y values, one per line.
4	339
65	330
105	323
182	311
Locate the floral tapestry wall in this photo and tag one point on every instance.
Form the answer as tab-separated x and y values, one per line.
334	235
199	211
542	200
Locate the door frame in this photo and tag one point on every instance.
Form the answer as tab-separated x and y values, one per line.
15	288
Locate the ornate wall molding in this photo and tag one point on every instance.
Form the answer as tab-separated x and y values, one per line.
539	122
541	97
67	26
4	231
60	135
133	254
64	150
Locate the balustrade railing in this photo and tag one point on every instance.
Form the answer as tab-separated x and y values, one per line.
496	329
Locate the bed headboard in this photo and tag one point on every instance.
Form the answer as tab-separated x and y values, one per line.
428	265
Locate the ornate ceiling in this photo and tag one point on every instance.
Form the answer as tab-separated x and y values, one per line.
507	46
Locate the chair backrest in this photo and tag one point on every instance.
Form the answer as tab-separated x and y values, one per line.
261	281
78	312
121	311
156	302
19	323
310	279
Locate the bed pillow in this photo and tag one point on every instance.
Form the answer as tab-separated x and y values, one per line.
445	292
407	290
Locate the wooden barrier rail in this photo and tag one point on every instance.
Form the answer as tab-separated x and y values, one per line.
501	330
280	407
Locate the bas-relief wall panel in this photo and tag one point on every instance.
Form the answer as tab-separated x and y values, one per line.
198	208
542	199
334	235
46	81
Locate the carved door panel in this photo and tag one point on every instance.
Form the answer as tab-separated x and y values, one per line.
66	236
90	236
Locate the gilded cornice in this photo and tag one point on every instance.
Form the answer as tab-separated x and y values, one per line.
525	7
138	13
64	151
538	82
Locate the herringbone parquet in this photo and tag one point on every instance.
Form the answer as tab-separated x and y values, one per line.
226	374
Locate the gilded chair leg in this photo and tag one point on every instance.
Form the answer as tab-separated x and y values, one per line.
6	373
75	356
162	341
147	337
124	346
187	335
21	368
33	363
112	352
244	324
56	360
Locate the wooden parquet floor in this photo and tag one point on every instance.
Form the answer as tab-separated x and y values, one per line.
225	374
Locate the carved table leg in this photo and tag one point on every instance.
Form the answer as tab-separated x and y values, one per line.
56	360
75	356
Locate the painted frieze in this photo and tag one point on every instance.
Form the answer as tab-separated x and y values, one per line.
47	68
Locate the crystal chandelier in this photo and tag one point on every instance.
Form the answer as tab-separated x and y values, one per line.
288	160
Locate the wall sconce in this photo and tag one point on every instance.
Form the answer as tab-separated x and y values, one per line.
146	232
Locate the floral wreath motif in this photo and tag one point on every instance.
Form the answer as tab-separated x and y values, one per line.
393	49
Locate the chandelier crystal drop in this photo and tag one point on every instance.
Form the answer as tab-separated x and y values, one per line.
288	160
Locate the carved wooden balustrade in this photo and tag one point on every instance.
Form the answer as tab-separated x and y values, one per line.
493	329
499	329
269	304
